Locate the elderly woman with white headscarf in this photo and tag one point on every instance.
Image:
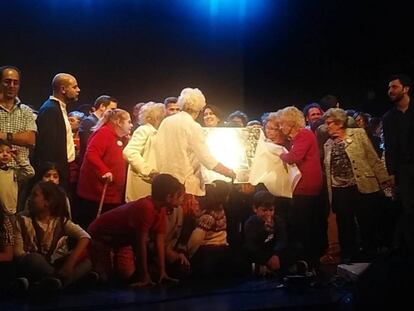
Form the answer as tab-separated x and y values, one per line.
140	152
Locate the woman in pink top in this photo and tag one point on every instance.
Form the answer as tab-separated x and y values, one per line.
306	217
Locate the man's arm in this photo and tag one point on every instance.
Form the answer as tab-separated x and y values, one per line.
26	139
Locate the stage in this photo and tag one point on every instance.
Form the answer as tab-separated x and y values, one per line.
325	292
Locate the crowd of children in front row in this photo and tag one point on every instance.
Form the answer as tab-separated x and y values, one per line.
139	243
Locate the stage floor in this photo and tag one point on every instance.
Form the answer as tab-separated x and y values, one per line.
246	294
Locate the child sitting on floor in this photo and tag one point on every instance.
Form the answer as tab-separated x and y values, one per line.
49	172
266	240
208	249
130	226
41	249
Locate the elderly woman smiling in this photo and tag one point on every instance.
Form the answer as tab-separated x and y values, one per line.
354	174
140	152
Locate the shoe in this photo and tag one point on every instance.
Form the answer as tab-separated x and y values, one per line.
91	279
302	267
19	287
50	285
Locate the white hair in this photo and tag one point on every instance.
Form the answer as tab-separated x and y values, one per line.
191	100
150	112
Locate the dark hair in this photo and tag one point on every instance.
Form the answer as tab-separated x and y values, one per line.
104	100
3	68
217	194
263	198
5	143
309	107
170	100
328	101
48	166
237	114
374	123
56	197
366	117
163	185
216	110
403	78
85	108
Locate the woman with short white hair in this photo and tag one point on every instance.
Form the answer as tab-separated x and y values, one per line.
181	147
140	152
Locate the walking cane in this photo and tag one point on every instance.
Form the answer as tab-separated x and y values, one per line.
102	198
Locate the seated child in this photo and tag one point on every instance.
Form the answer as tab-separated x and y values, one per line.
266	240
207	246
41	241
131	225
10	177
49	172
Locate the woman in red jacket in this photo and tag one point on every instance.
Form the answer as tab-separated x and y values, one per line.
306	218
103	163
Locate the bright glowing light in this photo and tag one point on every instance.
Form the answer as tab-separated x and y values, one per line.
226	146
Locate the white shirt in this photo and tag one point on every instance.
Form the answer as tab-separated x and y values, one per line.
70	145
180	150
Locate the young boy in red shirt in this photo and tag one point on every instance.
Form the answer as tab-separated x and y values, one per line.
130	226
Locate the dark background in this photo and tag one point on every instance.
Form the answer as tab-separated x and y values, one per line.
254	55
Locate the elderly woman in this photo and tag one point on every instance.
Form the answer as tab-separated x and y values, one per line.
272	130
307	215
140	152
181	149
354	174
211	116
103	164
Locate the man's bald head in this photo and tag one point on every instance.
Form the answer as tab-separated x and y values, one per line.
65	87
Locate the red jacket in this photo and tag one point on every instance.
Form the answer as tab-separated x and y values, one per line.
103	155
305	154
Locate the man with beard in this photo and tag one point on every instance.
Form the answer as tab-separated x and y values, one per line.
54	141
398	127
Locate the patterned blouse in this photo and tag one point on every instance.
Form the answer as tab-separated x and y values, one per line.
341	169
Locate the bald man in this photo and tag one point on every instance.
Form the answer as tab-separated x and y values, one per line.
54	141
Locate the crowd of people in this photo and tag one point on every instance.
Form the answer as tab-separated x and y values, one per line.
98	195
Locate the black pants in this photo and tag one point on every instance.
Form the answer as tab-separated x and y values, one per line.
354	211
307	227
214	262
7	274
85	212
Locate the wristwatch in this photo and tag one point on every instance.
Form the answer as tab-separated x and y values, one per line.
9	137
